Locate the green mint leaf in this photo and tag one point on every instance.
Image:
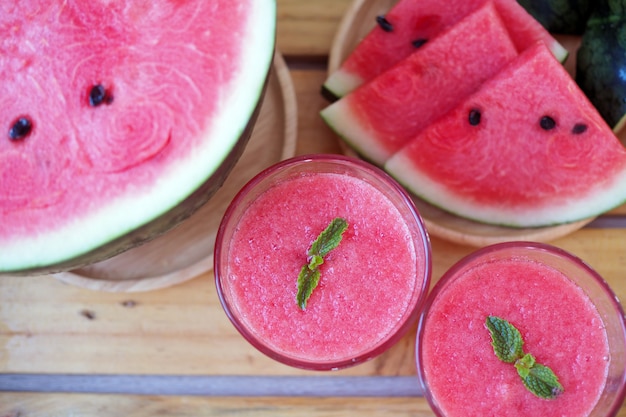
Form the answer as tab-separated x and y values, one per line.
309	276
330	238
542	382
307	281
507	345
506	339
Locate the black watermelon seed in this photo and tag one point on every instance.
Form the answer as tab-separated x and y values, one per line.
99	95
579	128
547	123
419	42
474	117
384	24
20	129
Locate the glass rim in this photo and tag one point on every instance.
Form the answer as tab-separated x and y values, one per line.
422	242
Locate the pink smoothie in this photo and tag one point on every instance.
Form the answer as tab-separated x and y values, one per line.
369	286
559	325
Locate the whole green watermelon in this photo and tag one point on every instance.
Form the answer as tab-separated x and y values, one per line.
601	61
560	16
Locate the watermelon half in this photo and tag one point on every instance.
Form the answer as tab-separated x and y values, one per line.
409	24
120	119
528	149
421	87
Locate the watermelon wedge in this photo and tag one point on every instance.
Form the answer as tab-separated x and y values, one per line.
120	119
421	87
527	149
411	23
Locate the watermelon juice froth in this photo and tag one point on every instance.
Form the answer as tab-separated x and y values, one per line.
568	318
371	285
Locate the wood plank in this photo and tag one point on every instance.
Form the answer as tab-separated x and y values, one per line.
603	249
85	405
50	327
314	136
312	385
307	29
621	210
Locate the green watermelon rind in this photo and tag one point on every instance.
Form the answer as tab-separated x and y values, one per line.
341	82
599	200
178	194
347	125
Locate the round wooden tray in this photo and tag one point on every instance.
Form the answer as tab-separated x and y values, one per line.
358	20
187	250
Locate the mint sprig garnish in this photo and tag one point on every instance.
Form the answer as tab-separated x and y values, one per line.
309	276
508	345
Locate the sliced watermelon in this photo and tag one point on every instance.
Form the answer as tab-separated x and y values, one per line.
120	119
528	149
412	22
421	87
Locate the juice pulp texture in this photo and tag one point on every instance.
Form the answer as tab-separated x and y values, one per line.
367	283
559	326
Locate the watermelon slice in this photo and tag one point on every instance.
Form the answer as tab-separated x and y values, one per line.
421	87
527	149
120	119
410	23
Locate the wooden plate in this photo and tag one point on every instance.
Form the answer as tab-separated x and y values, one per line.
187	251
358	21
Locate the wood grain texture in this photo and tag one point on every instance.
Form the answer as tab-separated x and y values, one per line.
83	405
306	29
49	327
211	385
314	136
50	405
621	210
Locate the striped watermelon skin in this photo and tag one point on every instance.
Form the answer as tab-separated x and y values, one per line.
539	153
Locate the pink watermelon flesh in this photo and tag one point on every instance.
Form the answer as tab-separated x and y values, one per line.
528	149
419	20
163	69
379	117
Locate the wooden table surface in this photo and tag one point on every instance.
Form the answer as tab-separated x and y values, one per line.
69	351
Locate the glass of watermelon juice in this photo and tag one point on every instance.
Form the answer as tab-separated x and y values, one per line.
568	319
371	285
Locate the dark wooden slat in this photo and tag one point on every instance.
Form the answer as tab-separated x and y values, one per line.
247	386
609	221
